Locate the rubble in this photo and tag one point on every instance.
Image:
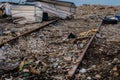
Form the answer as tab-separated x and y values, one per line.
24	12
49	54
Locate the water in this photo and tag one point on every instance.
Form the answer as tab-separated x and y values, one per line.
80	2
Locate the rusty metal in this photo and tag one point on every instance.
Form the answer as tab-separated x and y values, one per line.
72	71
40	27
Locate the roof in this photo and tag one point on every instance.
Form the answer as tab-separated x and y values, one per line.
61	3
56	2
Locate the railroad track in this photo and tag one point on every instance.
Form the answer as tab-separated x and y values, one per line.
28	32
72	71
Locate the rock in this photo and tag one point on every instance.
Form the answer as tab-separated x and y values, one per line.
32	70
11	78
83	70
89	78
26	70
1	51
7	32
1	55
68	58
99	35
97	76
83	77
4	47
115	60
55	64
115	68
1	31
115	74
92	17
92	67
81	45
41	35
8	66
109	63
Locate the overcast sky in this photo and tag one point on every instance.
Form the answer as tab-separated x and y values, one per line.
80	2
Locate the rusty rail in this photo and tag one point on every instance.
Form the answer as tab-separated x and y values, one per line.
72	71
40	27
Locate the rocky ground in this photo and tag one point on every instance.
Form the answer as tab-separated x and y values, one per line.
48	54
102	61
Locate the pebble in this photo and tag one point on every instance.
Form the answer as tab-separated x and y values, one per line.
92	17
55	65
89	78
115	60
109	63
68	58
83	77
4	47
1	31
115	68
81	45
83	70
11	78
1	55
116	74
1	51
97	76
41	35
92	67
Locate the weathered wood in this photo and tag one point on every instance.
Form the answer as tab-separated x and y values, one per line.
30	13
60	11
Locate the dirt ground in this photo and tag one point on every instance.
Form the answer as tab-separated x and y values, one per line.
102	61
48	54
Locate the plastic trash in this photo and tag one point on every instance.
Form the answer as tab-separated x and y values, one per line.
117	16
110	20
71	35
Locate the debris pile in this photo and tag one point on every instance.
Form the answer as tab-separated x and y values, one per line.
30	12
51	52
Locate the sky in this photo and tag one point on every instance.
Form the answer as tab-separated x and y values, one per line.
104	2
80	2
